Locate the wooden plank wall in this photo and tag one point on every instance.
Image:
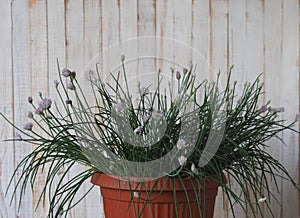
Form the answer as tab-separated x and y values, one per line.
257	36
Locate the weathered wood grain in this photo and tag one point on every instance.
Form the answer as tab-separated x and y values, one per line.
236	57
257	36
39	78
6	106
21	88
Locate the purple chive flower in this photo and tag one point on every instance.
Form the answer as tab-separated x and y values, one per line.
18	136
30	100
276	110
122	58
38	110
178	75
185	70
45	103
264	108
182	160
73	74
66	72
139	129
55	83
69	101
120	106
181	144
157	114
29	114
28	126
281	109
146	117
144	91
71	86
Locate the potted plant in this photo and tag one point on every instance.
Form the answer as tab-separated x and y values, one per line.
166	148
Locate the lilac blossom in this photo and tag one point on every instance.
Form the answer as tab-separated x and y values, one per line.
28	126
66	72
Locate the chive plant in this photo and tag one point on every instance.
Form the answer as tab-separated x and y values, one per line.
93	136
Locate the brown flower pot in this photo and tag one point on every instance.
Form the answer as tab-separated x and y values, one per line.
117	197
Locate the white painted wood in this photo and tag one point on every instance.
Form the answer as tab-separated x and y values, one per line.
201	38
254	46
272	78
256	36
21	88
110	37
182	33
290	99
75	61
165	32
129	42
39	79
218	61
237	50
146	44
92	46
56	51
6	93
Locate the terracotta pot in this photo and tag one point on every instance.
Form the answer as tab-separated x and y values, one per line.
118	204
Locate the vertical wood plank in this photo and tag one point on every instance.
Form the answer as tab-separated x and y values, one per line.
22	79
182	33
164	29
6	107
110	36
236	39
218	61
74	60
39	78
290	94
165	42
218	35
201	38
92	46
128	40
146	46
273	76
254	45
56	50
